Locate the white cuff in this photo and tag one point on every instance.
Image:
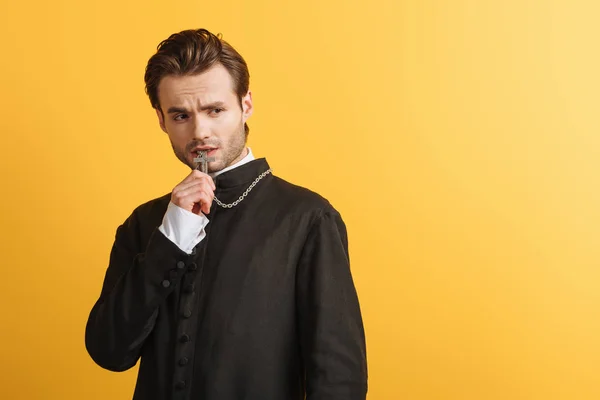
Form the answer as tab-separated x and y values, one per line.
183	228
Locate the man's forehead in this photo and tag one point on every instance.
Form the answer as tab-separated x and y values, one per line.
215	81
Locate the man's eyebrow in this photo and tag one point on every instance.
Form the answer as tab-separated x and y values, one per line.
209	106
173	110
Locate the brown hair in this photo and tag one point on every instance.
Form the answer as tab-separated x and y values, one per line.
193	52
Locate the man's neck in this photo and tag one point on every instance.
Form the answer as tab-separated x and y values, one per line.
249	157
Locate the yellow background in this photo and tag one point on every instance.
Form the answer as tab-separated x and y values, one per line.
459	140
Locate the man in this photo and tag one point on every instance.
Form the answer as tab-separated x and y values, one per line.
236	285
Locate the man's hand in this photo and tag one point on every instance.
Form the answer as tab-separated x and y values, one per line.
195	193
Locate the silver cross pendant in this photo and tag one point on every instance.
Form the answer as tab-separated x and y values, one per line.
203	161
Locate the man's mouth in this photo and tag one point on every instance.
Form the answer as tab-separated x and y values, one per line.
207	149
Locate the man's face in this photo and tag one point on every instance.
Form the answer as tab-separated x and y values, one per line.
202	112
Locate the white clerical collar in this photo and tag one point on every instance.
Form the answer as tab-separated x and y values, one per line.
249	157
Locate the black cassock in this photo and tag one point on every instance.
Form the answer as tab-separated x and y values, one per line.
264	309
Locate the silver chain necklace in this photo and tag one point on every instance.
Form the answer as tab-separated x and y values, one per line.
243	196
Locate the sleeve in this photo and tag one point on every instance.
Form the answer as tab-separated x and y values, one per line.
330	322
183	228
137	281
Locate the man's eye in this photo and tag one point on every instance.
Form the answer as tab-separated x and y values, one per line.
216	110
180	117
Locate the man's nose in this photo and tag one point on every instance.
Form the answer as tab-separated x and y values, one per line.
201	129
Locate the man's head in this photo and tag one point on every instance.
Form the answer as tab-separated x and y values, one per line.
199	86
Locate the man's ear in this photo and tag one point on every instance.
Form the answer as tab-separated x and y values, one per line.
161	119
247	107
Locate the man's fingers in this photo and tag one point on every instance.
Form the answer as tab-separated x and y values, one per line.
191	194
186	187
205	201
205	206
195	174
195	193
187	199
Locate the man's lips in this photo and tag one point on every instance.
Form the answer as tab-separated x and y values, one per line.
207	149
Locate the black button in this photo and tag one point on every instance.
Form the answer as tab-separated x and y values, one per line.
180	385
184	338
193	266
189	288
166	283
183	361
180	264
187	313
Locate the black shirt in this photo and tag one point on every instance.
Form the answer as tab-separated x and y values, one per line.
264	309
